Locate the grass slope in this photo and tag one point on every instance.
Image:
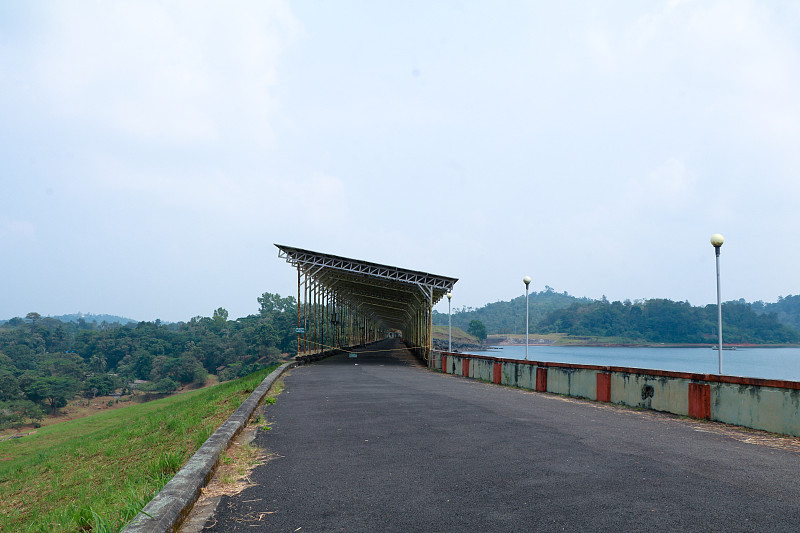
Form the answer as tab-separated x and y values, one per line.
459	335
98	472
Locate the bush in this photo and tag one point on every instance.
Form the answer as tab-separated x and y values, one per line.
15	413
166	385
100	385
230	372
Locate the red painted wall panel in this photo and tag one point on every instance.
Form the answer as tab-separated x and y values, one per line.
603	387
699	400
496	373
541	379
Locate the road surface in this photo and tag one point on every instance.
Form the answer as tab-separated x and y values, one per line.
377	443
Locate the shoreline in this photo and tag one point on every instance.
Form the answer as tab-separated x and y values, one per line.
725	345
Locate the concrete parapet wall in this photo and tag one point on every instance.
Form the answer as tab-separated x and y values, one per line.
643	390
509	373
770	408
482	369
435	361
526	377
578	382
771	405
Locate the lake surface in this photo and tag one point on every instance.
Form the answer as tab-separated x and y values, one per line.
770	363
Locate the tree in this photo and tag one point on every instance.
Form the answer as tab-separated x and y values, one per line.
477	329
100	385
165	386
35	347
14	413
97	363
139	365
33	317
219	322
9	386
64	364
273	303
23	357
184	369
54	391
14	322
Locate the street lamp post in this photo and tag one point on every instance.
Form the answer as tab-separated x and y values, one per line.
716	242
527	281
449	324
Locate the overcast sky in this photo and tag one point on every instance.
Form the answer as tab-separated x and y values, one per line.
151	152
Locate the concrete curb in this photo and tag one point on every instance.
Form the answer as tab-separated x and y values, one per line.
172	504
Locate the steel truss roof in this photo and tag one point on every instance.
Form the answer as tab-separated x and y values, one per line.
390	295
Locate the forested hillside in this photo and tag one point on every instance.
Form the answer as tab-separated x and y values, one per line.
668	321
45	362
786	309
656	320
89	318
509	317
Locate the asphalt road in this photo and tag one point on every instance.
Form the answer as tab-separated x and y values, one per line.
377	444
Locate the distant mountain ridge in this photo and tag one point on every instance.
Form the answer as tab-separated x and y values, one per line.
786	308
89	317
655	320
509	317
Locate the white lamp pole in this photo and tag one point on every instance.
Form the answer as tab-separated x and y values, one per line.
449	324
527	281
716	242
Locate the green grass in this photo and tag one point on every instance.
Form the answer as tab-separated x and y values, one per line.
568	340
96	473
519	338
459	335
562	339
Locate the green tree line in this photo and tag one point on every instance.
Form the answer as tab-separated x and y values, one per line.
669	322
509	317
787	309
656	320
45	362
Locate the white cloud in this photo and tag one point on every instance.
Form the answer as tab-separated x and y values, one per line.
712	80
668	184
238	198
737	51
316	196
16	231
177	72
601	49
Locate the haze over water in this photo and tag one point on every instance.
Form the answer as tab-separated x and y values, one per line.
769	363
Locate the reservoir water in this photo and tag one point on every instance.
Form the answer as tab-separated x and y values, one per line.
759	362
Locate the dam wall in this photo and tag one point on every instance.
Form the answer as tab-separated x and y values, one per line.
766	404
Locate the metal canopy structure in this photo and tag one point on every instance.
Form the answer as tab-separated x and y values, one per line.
343	302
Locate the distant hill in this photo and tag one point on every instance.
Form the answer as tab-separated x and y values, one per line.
786	308
89	317
509	317
665	321
654	320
